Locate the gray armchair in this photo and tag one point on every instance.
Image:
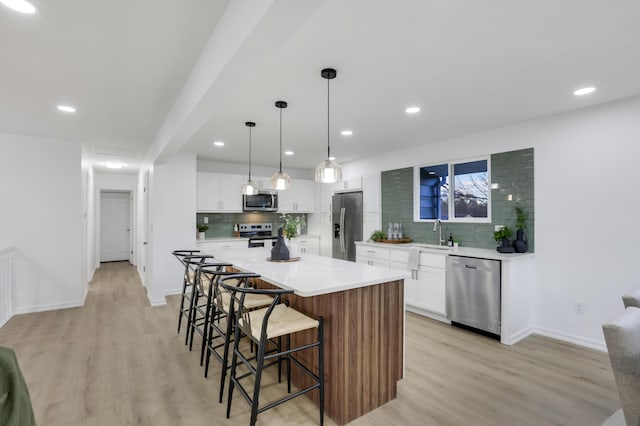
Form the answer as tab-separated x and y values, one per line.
632	299
623	344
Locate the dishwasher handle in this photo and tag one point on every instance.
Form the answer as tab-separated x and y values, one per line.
470	267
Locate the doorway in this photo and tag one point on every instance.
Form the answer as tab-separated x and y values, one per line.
115	226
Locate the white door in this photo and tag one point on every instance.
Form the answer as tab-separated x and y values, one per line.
115	226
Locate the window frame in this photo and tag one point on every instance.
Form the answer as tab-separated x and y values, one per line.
451	207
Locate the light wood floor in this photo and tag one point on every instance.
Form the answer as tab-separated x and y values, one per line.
118	361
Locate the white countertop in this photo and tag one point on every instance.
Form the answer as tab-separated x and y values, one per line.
310	276
460	251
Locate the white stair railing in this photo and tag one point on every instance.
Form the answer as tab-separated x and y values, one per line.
6	284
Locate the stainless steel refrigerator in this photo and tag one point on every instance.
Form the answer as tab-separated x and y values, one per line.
347	224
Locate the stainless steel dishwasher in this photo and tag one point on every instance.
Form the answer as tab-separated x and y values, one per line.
473	293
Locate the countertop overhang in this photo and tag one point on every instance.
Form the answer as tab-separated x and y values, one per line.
310	276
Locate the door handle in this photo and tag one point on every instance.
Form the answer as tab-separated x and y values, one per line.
144	243
342	244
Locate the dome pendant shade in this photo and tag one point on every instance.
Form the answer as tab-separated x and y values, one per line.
328	171
280	181
248	186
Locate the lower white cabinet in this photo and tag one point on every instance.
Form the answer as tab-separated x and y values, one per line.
206	246
309	244
430	290
369	255
425	291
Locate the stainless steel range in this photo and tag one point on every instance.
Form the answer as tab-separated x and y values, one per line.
258	233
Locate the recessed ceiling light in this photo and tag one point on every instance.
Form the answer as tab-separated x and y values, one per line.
412	110
288	153
66	108
218	143
114	165
346	133
19	5
584	91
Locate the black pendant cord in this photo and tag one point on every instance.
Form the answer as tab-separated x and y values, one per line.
328	119
249	154
280	140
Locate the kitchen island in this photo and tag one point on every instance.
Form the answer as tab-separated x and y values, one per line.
363	310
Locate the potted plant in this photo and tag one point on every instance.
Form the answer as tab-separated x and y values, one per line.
378	235
291	225
520	244
502	236
202	228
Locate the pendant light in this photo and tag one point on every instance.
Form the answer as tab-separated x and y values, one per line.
328	171
280	181
248	187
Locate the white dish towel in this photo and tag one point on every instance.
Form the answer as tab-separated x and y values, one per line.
414	258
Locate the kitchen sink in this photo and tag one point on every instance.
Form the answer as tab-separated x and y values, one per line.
433	247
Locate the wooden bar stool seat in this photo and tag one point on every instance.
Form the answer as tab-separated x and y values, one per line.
220	336
266	328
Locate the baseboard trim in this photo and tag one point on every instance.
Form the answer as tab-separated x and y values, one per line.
52	307
516	337
427	314
577	340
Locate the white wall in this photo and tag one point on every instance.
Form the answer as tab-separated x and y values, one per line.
586	208
172	215
41	214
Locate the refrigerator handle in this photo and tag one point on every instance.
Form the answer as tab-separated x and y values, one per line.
342	245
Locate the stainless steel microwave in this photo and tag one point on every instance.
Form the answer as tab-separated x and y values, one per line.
263	201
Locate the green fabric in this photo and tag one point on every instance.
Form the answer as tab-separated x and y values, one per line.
15	404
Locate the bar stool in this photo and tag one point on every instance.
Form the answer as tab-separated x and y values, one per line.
186	282
221	336
201	313
262	326
192	263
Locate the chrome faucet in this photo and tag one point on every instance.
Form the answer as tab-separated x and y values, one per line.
435	227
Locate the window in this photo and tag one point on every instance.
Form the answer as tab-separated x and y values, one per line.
465	183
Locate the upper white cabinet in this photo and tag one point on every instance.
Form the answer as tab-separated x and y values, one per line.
217	192
348	185
323	194
299	198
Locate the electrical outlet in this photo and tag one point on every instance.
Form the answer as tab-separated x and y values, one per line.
206	219
579	307
498	227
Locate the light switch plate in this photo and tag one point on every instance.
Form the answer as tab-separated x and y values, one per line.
206	219
498	227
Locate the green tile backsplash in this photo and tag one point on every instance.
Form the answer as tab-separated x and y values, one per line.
511	171
221	224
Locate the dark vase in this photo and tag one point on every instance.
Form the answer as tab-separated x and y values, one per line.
520	244
504	246
279	250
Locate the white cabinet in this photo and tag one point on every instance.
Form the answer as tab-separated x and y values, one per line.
370	255
299	198
309	244
323	194
217	192
425	291
348	185
208	246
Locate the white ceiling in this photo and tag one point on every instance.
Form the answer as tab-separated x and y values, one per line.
469	65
